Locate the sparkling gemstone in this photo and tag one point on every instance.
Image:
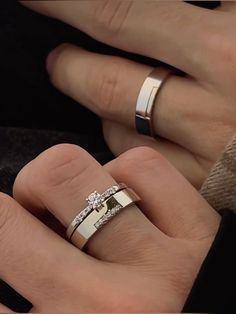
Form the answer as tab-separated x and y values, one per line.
78	220
95	200
115	188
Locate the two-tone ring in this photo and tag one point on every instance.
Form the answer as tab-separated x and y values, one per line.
100	210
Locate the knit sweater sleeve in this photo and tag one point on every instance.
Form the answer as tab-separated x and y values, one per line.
220	187
213	290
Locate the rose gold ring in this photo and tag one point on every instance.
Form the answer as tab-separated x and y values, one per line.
146	100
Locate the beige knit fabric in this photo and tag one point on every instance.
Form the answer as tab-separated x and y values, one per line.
220	187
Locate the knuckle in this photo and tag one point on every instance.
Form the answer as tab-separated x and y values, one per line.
59	165
146	156
105	89
222	49
110	16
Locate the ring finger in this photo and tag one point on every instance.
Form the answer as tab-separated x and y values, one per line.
60	179
109	86
63	176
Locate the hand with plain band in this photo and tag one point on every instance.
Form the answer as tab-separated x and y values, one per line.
194	115
142	258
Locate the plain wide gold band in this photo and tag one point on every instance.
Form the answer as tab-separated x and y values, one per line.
87	228
146	100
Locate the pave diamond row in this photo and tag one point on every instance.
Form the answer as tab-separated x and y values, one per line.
79	218
111	191
105	218
95	201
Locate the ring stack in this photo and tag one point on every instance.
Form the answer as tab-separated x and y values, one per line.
101	209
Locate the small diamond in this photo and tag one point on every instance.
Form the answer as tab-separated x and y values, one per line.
86	210
95	200
105	194
78	220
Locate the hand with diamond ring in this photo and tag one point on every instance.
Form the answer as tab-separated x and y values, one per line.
145	259
194	115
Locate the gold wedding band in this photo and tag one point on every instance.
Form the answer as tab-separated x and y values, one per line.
101	211
146	100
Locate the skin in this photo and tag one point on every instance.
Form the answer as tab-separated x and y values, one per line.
150	253
146	256
193	126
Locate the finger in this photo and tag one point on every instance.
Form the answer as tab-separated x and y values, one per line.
60	179
121	24
4	309
109	86
227	6
168	199
101	83
33	258
120	139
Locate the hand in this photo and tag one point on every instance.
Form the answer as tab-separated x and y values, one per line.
138	262
195	115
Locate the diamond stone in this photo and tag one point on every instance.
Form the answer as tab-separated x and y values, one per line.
86	210
78	219
95	200
115	188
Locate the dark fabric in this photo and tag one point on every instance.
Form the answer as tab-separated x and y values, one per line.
18	146
214	289
33	114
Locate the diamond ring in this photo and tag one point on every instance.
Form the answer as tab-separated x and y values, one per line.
101	209
95	201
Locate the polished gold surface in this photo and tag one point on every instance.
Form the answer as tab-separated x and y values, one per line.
147	98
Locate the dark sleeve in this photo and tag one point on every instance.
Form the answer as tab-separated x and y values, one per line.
214	289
